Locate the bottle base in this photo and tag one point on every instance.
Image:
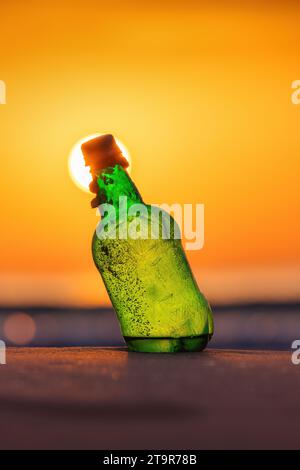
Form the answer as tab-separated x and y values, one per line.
167	345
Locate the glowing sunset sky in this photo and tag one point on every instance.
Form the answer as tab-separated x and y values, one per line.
201	96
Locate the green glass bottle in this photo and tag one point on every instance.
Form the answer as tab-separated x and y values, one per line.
147	276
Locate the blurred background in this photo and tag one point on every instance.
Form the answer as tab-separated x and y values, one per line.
200	93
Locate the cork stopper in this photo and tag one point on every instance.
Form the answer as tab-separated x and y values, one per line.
100	153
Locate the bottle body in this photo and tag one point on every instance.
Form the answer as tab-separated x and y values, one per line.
151	286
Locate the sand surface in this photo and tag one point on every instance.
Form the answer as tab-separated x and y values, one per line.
107	398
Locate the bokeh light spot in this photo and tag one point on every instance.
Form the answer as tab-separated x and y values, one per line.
19	328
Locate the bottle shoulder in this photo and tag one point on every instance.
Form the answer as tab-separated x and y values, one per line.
138	221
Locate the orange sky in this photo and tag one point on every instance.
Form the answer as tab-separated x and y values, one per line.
201	96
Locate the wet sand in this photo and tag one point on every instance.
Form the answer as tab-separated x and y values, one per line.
107	398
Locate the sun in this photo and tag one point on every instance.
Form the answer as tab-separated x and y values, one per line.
80	174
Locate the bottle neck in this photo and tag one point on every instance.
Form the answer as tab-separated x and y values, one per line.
115	183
